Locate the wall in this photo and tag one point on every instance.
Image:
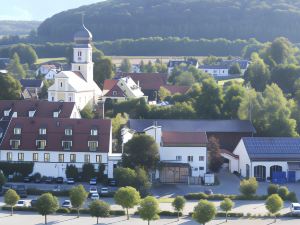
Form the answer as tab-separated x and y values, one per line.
244	159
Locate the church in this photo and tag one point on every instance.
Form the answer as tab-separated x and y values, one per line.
78	84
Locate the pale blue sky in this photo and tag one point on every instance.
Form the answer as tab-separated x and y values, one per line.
37	9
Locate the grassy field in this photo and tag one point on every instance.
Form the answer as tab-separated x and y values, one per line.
222	82
46	60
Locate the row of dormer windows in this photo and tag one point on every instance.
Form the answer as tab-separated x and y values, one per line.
31	113
43	131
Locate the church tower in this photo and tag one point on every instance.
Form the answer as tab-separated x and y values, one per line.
82	54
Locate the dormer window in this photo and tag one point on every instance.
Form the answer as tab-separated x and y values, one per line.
17	131
15	144
40	144
68	132
31	113
42	131
67	145
15	115
56	114
94	132
115	93
7	112
93	145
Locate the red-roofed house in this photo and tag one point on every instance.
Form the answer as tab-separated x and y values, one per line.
173	89
53	143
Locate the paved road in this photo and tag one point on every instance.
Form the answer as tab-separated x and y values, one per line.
28	219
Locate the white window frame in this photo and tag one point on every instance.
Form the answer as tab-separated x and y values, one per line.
14	140
98	158
35	159
17	131
48	158
178	158
89	145
201	158
68	132
74	159
41	141
9	156
94	132
42	131
61	160
63	142
190	158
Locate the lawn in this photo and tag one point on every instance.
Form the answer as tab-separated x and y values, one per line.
222	82
165	200
45	60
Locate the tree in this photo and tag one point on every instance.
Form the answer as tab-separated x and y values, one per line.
150	67
273	204
209	102
163	93
99	209
10	88
249	186
125	66
26	53
149	209
283	192
103	69
117	124
124	176
16	68
127	197
78	196
44	91
257	73
142	151
2	179
88	171
204	211
235	69
87	112
46	204
141	181
273	189
226	205
185	79
11	198
216	161
234	94
72	172
178	205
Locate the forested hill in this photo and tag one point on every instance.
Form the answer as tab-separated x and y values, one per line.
231	19
10	27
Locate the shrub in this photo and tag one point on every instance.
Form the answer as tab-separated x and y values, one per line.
248	187
196	196
33	191
230	214
63	210
117	212
273	189
292	197
283	192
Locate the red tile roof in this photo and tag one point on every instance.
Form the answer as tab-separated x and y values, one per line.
109	84
177	139
117	90
55	134
43	108
148	81
177	89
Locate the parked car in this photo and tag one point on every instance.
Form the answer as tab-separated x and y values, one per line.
295	208
33	202
112	182
56	188
93	190
95	196
93	181
66	204
27	179
70	181
104	191
59	180
208	192
22	203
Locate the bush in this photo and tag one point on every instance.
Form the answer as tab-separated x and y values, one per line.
17	208
292	197
117	212
33	191
283	192
196	196
63	210
273	189
201	195
248	187
230	214
169	213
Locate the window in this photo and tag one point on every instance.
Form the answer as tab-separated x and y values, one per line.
31	113
35	157
17	130
201	168
68	132
66	145
70	99
40	144
60	84
94	132
21	156
190	158
201	158
9	156
178	158
78	67
42	131
61	158
86	158
7	112
93	145
98	158
47	157
115	93
72	158
15	144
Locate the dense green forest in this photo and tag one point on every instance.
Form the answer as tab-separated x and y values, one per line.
230	19
8	27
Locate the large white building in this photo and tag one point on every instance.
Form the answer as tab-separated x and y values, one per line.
78	84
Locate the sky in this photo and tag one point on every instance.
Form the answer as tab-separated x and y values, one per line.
37	9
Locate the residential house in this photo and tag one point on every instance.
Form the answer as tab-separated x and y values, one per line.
77	85
261	157
31	88
53	143
188	62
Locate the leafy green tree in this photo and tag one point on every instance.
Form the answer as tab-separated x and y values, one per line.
10	88
178	204
103	69
226	205
44	91
2	179
149	209
142	67
87	112
99	209
16	68
185	79
88	171
127	197
257	74
273	204
141	181
11	198
248	187
72	172
204	212
216	161
163	93
235	69
272	189
234	94
141	150
124	176
283	192
210	101
125	66
150	67
46	204
26	53
78	196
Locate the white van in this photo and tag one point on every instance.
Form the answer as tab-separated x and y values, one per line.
295	208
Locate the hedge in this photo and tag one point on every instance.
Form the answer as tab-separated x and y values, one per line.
201	195
164	213
33	191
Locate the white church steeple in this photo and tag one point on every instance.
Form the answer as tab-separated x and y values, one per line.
82	54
